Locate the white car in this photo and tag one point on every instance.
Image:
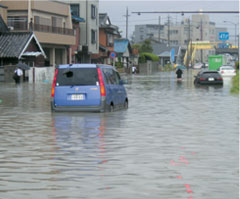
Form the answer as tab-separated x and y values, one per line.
227	71
198	65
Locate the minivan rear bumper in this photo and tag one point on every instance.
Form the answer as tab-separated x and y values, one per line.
101	108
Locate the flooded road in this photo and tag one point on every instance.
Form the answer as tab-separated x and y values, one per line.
174	141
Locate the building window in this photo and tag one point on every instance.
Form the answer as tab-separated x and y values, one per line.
93	36
93	11
110	40
75	9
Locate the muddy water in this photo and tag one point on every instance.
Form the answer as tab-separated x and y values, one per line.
174	141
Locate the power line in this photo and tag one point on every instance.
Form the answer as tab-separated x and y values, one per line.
187	12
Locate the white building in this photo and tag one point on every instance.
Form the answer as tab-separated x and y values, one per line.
89	30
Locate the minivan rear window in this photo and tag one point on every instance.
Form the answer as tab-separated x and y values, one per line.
77	76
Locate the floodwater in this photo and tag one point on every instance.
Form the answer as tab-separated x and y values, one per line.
175	141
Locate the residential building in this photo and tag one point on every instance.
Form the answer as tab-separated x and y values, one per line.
200	28
146	31
107	33
50	21
89	30
75	49
3	13
3	19
123	49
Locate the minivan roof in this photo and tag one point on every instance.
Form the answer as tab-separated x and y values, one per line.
64	66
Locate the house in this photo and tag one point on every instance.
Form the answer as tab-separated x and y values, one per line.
123	49
3	18
16	47
51	23
107	34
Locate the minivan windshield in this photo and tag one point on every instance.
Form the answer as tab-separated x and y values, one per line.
77	76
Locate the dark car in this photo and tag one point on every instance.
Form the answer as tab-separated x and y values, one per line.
208	78
87	87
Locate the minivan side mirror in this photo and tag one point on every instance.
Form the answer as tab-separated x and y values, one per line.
121	82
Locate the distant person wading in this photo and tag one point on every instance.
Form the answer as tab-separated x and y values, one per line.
179	73
17	75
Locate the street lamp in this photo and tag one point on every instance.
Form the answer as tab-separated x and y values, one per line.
235	30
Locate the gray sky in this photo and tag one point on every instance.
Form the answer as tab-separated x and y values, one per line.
117	9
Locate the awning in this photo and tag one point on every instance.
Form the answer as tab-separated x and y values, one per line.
32	54
79	19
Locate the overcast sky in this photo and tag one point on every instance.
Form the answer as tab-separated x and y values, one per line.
117	9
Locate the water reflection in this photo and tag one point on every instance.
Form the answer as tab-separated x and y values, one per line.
79	134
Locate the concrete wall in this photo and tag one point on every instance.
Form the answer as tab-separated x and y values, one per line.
43	74
149	67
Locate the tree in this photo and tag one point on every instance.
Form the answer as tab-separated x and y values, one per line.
146	47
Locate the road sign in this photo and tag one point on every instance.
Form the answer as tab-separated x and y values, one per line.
172	55
224	36
112	55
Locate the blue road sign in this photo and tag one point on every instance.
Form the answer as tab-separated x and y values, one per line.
172	55
224	36
113	54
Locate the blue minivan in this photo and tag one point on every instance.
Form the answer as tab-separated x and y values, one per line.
87	87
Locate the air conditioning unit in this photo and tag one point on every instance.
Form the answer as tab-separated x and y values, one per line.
10	28
79	47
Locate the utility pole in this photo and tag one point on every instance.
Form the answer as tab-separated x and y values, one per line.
201	34
159	28
189	53
168	30
127	22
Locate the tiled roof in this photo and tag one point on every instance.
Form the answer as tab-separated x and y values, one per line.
12	44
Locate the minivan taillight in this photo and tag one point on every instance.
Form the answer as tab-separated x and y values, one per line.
54	83
101	82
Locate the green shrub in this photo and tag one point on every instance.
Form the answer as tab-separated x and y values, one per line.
119	64
235	86
148	56
168	67
237	65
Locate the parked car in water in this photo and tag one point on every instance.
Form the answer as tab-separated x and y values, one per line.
198	65
226	70
87	87
208	77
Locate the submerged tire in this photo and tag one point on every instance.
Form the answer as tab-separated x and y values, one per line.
111	108
125	106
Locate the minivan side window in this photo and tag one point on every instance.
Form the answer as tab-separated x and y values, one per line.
117	77
109	76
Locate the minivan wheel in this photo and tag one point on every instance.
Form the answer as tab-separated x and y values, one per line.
125	104
111	108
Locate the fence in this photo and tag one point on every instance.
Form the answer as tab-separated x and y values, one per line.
149	67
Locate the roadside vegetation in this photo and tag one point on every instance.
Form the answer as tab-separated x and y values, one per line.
235	87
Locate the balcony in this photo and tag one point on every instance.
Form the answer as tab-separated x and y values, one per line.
46	34
23	26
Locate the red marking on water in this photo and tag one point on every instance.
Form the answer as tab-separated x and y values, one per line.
173	163
189	190
182	147
187	185
183	160
193	153
179	177
190	197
